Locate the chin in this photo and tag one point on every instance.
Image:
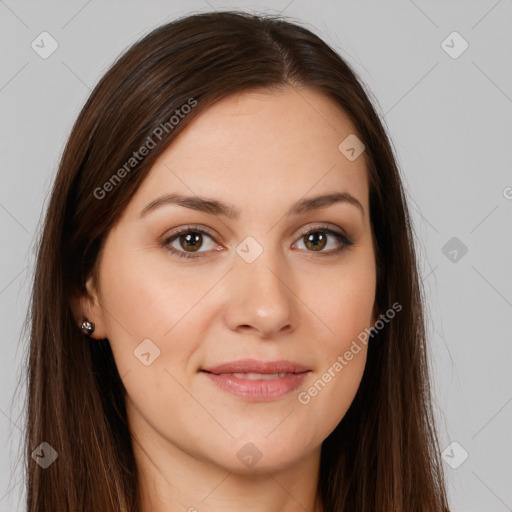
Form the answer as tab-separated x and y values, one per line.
257	454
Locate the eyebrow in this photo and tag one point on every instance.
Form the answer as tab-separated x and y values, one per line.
215	207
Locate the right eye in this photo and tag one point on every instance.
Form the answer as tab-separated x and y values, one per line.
185	239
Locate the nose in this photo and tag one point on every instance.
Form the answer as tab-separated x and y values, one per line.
261	297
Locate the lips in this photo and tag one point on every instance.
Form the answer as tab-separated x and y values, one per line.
259	381
254	366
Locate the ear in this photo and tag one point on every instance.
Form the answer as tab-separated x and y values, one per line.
85	305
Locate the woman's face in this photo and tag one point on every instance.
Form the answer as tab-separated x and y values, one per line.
245	283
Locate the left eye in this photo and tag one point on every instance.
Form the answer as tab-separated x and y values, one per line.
315	240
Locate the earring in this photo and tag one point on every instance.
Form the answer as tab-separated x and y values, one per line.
87	327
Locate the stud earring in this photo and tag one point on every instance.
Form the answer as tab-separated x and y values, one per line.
87	327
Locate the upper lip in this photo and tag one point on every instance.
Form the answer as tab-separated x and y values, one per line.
255	366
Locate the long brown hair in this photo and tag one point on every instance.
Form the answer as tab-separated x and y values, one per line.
384	453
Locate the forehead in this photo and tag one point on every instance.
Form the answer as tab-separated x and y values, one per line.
261	145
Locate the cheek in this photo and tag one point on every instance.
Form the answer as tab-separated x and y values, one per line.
327	396
343	305
345	311
154	325
142	301
143	294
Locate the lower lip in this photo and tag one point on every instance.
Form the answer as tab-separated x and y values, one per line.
258	390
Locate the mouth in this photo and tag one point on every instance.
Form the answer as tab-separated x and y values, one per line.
255	380
256	367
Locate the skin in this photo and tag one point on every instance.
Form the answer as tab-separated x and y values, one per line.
261	151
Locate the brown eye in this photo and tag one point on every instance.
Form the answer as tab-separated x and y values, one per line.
188	241
316	241
320	238
192	241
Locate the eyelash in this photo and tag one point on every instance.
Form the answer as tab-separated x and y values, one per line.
345	241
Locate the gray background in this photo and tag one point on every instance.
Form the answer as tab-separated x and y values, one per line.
450	121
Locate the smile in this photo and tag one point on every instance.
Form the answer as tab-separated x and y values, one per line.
257	387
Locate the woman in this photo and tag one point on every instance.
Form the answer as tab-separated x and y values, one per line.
226	311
